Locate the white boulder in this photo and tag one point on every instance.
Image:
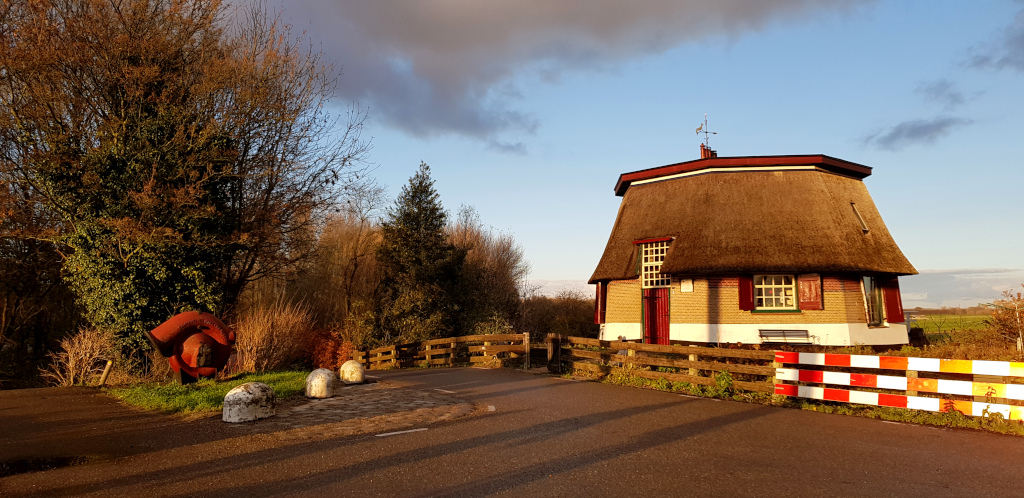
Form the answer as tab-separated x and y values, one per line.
248	402
351	372
320	383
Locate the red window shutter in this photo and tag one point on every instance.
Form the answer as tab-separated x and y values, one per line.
893	301
604	302
601	303
809	290
746	292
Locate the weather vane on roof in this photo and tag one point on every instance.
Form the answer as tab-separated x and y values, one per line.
703	128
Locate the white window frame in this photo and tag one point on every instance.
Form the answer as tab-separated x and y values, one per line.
776	291
652	255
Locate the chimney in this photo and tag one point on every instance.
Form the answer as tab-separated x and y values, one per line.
706	152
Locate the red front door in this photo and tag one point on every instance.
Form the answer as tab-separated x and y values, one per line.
656	316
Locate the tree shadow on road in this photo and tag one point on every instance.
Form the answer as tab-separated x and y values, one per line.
198	466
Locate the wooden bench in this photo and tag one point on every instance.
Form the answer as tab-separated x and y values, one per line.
785	336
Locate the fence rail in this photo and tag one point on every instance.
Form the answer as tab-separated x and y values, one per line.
491	349
754	369
972	387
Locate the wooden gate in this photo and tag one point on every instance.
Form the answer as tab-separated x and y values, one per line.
656	316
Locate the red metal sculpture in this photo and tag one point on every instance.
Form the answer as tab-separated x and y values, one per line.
195	344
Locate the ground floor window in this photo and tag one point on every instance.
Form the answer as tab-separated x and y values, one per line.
873	301
774	292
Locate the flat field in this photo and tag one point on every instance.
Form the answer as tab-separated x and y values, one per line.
934	324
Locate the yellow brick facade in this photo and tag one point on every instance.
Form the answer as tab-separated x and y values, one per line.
716	300
624	301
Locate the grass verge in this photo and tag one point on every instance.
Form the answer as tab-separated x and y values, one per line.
991	423
206	394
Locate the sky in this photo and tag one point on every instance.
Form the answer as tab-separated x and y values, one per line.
528	111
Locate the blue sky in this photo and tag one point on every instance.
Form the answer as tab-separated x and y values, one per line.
529	110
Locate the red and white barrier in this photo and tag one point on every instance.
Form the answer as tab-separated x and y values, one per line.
896	383
977	367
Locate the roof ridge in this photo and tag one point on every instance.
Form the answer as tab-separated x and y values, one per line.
828	163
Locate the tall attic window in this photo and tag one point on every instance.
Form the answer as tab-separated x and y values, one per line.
652	256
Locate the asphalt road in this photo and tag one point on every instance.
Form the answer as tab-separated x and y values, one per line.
537	435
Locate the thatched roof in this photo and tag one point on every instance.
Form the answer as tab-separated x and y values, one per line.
758	218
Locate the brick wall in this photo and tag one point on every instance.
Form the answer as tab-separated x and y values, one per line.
624	301
716	300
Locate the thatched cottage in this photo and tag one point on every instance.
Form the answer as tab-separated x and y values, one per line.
750	250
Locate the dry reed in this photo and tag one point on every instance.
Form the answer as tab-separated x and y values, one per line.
273	337
79	359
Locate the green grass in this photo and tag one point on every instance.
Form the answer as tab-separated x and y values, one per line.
934	324
205	395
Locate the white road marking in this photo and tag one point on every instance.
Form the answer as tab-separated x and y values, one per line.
490	408
445	391
401	432
464	383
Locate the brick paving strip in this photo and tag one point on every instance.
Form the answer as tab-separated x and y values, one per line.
360	409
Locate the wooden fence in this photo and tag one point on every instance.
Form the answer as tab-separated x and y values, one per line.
751	370
971	387
485	350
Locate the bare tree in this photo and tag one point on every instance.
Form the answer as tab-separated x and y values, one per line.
294	161
339	281
493	276
36	305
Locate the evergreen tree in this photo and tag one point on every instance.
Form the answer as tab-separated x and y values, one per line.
419	267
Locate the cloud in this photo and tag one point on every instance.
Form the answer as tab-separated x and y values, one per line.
915	131
942	91
517	148
1008	52
443	66
962	287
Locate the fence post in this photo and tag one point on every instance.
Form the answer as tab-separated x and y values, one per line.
554	353
428	355
451	356
106	372
776	365
692	371
526	348
911	374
